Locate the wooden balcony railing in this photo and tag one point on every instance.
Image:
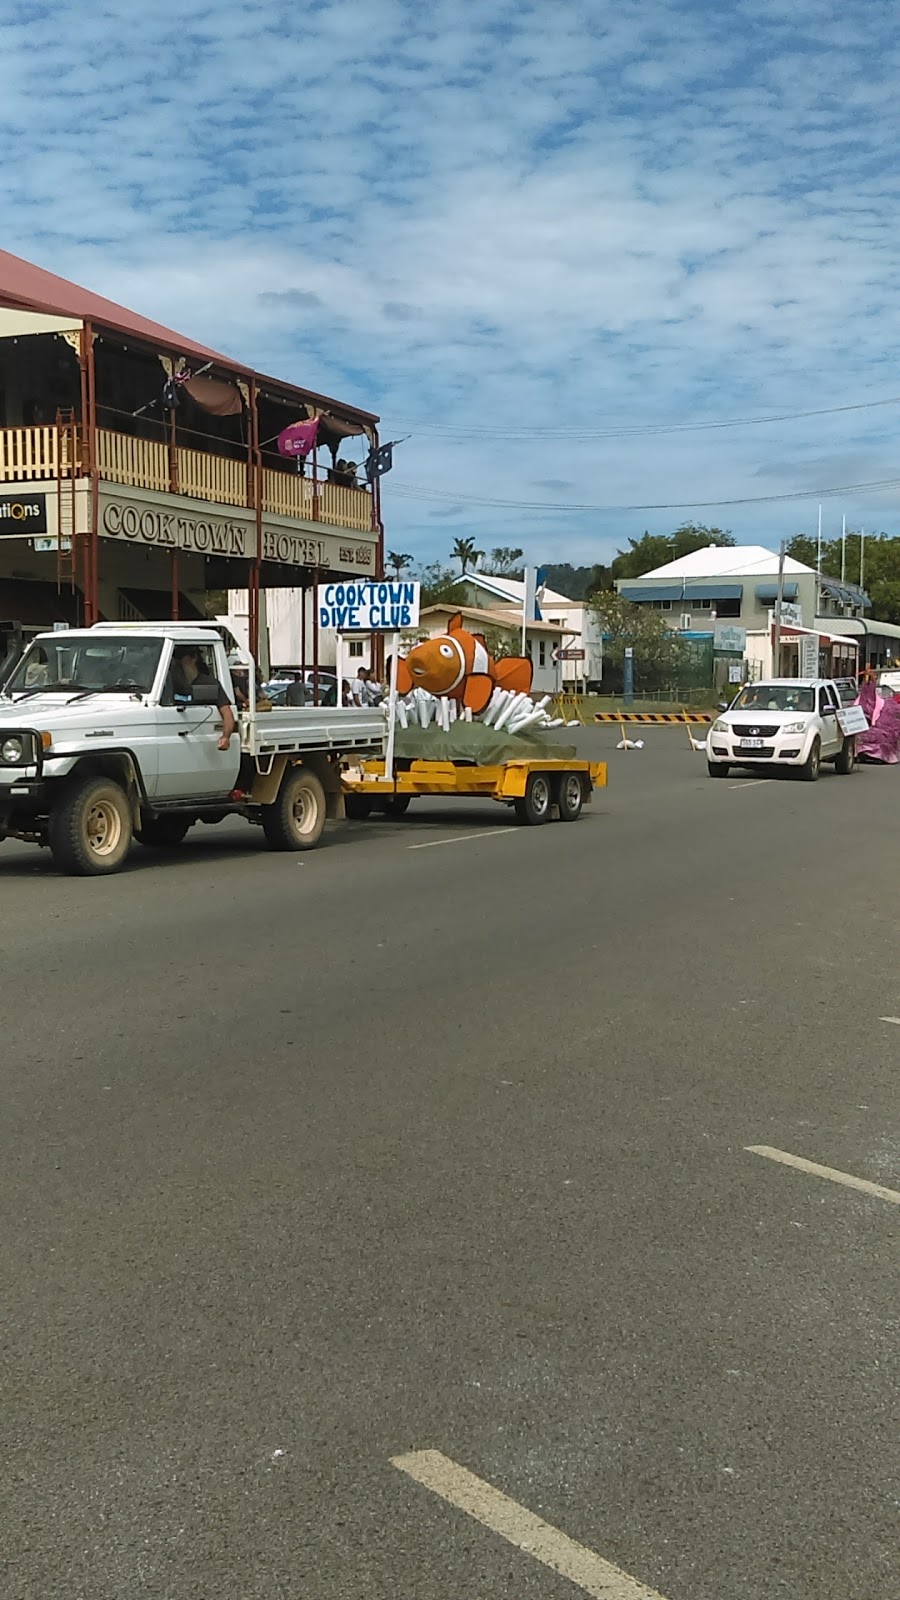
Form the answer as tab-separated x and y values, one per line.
28	454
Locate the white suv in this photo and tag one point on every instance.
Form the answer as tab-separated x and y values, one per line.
787	722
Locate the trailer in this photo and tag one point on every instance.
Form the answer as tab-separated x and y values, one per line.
538	791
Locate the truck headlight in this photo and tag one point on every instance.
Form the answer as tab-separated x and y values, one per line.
795	727
12	751
720	726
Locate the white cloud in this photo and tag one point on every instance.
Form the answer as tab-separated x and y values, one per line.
498	217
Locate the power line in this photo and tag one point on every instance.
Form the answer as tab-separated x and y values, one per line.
583	436
413	491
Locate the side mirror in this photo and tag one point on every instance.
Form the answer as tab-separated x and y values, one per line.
723	705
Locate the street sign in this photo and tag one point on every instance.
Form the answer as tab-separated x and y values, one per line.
569	655
852	720
385	607
809	655
23	514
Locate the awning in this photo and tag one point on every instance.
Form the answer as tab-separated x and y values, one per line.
848	592
769	591
714	591
642	591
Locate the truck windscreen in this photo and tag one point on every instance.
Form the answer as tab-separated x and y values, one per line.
66	662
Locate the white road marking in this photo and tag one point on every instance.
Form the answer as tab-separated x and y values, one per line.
463	838
748	783
818	1171
890	1019
521	1527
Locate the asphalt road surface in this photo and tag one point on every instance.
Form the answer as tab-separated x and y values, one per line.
311	1162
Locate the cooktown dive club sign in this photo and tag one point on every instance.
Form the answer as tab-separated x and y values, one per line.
169	528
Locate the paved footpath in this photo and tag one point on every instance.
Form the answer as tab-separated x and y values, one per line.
402	1223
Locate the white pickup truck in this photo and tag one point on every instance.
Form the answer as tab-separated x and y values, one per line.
104	738
783	722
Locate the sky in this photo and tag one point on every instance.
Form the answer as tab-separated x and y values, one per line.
532	236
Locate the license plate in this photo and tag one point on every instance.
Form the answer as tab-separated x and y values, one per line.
750	744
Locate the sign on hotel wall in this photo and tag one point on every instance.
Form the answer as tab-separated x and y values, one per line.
131	521
22	515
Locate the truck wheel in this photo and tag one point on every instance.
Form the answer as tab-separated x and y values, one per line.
718	769
162	833
810	768
570	798
296	819
90	828
534	806
845	760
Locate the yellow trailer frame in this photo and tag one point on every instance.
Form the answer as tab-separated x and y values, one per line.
510	783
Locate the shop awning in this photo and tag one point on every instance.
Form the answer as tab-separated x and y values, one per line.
769	591
714	591
644	591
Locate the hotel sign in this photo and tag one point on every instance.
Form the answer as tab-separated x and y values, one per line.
22	514
171	527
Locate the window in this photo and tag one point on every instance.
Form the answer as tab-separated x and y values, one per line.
74	661
542	648
774	697
728	608
355	647
181	677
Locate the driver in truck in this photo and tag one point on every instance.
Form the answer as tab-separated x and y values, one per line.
188	669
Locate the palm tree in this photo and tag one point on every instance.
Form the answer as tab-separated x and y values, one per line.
398	562
465	553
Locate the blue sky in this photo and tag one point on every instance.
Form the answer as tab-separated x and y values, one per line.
510	228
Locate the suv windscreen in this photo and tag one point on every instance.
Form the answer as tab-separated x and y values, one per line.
774	697
91	665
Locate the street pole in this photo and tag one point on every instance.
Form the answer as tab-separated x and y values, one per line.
779	602
819	564
843	549
862	546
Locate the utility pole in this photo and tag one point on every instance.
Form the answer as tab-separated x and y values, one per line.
862	546
779	602
843	549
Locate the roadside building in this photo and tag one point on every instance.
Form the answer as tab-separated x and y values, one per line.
139	470
503	631
579	629
729	593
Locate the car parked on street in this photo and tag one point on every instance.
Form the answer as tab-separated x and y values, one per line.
784	722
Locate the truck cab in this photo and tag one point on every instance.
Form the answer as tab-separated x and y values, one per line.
792	723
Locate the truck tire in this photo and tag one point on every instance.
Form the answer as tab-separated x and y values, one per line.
162	833
357	807
296	818
571	797
812	765
397	806
718	769
845	760
90	828
534	806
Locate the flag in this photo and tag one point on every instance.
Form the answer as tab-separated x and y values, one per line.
379	461
298	438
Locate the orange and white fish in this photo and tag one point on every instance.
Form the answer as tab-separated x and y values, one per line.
457	664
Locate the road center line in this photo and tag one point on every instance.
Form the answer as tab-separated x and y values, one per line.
463	838
846	1178
748	783
521	1527
890	1019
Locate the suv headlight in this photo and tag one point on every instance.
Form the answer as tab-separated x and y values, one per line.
720	726
795	727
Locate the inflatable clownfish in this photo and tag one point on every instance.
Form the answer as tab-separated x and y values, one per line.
457	665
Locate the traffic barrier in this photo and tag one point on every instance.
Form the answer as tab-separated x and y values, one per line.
662	717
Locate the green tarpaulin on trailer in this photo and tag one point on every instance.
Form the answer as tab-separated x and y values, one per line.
472	742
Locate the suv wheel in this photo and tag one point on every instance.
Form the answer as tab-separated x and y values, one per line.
296	819
811	766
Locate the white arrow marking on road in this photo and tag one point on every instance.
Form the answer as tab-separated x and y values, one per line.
521	1527
890	1019
846	1178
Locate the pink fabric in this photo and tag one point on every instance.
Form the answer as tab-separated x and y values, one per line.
882	742
298	438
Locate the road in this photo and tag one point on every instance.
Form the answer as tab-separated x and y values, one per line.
312	1162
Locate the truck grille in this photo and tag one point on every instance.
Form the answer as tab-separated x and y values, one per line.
742	731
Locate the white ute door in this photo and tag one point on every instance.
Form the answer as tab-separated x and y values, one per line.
191	766
832	738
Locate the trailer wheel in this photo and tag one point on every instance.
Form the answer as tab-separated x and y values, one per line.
295	820
571	797
90	829
162	833
397	806
534	806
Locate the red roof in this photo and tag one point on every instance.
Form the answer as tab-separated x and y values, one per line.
33	288
38	290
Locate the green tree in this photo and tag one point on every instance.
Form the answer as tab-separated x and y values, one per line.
440	585
465	553
657	650
880	554
656	549
398	562
504	562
